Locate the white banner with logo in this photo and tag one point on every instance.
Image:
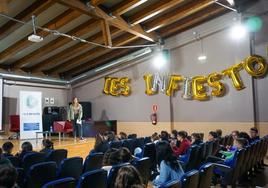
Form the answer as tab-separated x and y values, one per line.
30	114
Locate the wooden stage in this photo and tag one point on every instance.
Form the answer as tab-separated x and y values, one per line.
75	147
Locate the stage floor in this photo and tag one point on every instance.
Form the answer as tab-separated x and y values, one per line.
75	147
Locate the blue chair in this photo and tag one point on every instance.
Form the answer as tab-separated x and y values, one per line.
171	184
32	158
14	161
143	166
147	140
57	155
93	179
188	160
20	177
93	162
150	151
61	183
205	175
190	179
40	174
71	167
130	144
116	144
113	173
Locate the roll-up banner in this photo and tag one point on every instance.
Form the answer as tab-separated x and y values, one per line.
30	114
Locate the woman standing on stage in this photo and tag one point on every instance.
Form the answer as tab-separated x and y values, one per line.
75	113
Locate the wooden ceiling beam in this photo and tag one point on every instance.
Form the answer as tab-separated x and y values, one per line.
95	52
55	23
71	51
4	6
96	2
153	10
112	20
106	33
178	14
126	6
191	21
55	44
104	58
26	15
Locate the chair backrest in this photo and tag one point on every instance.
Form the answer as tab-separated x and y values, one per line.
143	166
32	158
147	140
14	161
202	153
61	183
57	155
205	175
40	174
190	179
209	148
192	153
130	144
139	142
116	144
20	177
93	179
216	146
150	151
93	162
113	173
71	167
171	184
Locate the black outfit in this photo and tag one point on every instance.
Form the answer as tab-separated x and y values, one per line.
77	127
7	155
197	142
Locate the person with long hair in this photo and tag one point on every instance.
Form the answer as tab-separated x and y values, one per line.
48	146
75	113
170	168
128	177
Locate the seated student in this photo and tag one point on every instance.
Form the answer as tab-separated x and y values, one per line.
122	136
155	138
212	135
196	139
219	133
254	135
47	146
170	168
7	149
184	145
26	147
164	136
174	136
228	156
3	160
116	156
128	177
235	134
101	144
8	176
245	136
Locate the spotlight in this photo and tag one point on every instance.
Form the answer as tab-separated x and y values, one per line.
231	2
202	57
161	58
238	31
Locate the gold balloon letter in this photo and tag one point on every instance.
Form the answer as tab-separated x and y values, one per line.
125	87
233	73
115	86
173	84
255	65
148	83
213	81
199	91
107	83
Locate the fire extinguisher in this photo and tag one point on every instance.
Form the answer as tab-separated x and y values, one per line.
154	114
154	118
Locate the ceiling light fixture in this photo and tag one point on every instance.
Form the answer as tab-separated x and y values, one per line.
34	37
